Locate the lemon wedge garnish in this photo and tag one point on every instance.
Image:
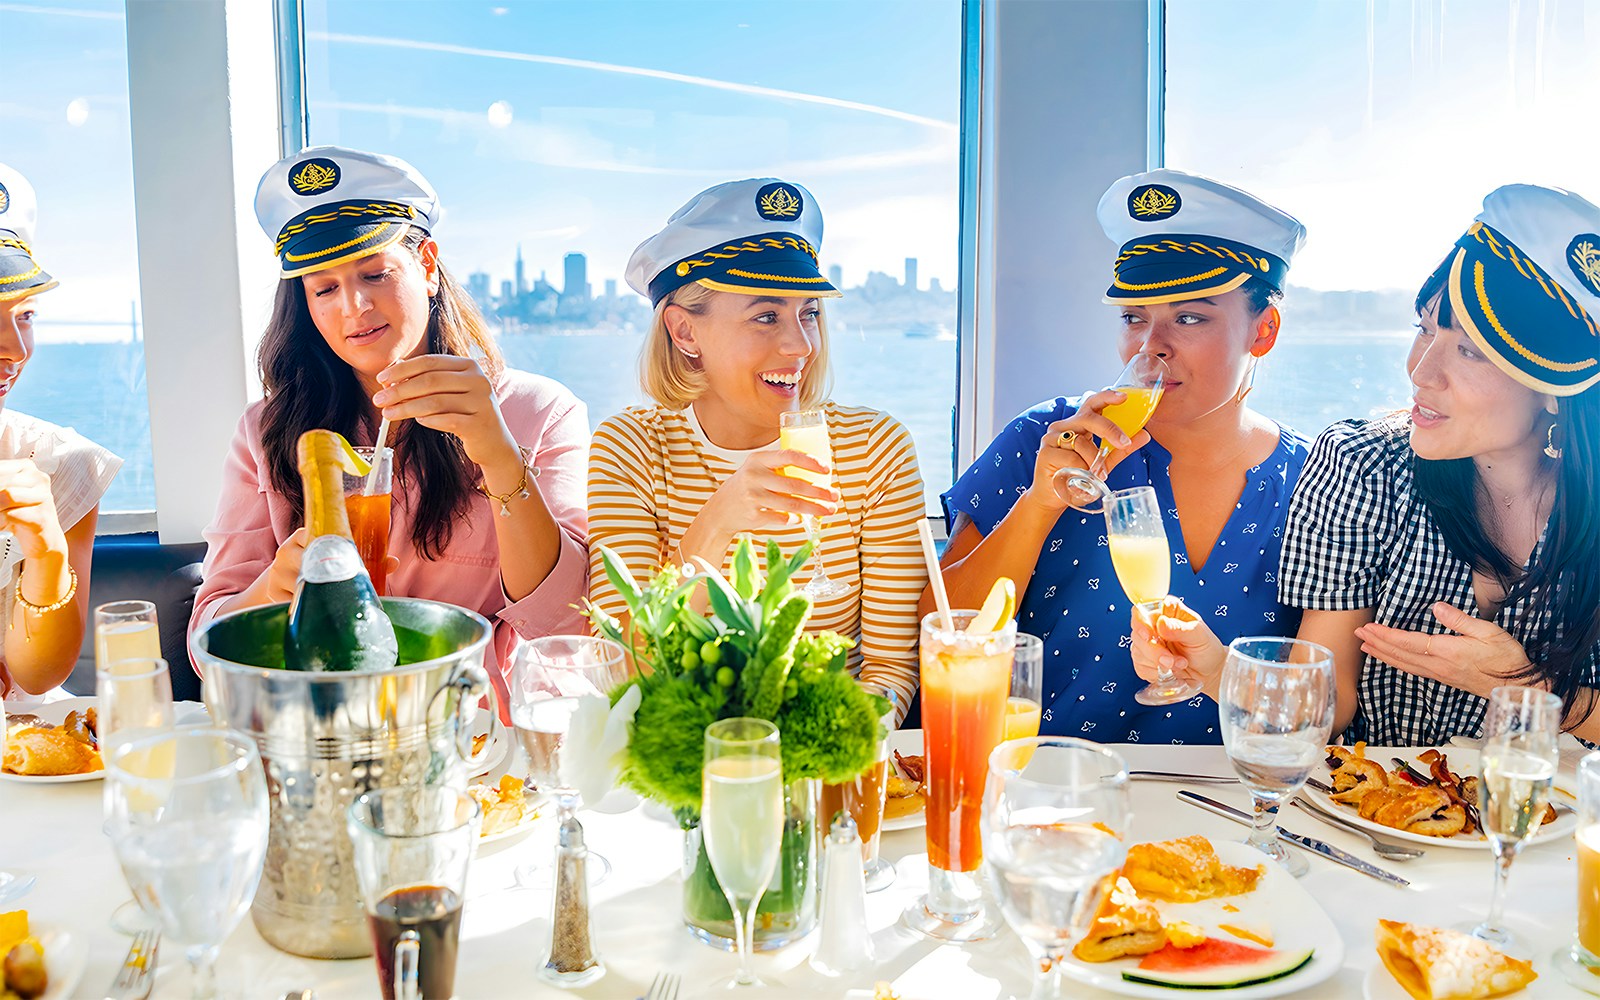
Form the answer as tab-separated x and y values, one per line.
998	608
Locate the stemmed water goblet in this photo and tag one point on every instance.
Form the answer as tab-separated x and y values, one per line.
1055	820
1516	768
806	431
186	812
133	699
1276	708
1142	382
741	819
1142	558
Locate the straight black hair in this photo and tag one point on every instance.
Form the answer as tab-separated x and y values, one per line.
1562	586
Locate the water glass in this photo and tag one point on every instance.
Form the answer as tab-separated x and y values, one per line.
741	819
1276	708
412	849
1516	768
864	799
11	887
1055	820
369	512
186	812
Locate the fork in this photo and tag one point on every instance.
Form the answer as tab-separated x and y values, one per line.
1381	846
663	987
138	971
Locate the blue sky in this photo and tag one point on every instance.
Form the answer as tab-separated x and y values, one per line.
1382	133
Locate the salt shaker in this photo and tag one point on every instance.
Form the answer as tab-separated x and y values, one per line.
843	945
572	960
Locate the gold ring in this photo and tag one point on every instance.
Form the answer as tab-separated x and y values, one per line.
1065	439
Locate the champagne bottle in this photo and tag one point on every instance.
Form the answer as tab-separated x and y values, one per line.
335	621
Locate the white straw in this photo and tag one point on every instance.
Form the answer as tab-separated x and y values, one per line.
934	576
370	488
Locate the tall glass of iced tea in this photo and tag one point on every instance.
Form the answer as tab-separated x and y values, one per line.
369	513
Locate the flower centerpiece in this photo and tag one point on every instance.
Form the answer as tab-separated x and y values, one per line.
751	656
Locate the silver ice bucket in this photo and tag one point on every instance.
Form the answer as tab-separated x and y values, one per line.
327	737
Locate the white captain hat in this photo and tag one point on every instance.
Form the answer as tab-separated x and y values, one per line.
1183	236
327	204
756	237
20	274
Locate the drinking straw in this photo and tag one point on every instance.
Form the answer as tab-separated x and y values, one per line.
934	576
370	487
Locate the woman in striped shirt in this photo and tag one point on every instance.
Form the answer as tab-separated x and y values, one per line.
739	339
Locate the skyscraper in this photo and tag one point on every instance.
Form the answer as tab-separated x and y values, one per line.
611	288
836	276
522	281
911	274
575	287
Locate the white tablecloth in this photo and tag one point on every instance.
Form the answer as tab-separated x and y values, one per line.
53	832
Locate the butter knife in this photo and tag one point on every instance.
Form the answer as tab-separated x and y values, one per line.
1311	844
1182	777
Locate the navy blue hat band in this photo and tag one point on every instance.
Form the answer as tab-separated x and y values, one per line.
1171	267
773	263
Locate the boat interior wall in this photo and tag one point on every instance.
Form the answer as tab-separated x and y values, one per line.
139	568
1061	127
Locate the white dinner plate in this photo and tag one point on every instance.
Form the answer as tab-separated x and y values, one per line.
1463	762
1380	985
1279	903
54	713
532	807
909	743
66	956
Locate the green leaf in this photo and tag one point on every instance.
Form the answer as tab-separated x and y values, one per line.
620	578
744	569
725	602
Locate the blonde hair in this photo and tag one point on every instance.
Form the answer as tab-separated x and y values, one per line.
675	380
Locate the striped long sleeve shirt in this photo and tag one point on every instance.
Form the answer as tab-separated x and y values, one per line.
652	469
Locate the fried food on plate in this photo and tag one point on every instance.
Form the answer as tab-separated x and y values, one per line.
1186	870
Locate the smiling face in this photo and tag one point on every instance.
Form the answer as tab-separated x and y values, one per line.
754	352
373	311
1208	345
1464	406
16	341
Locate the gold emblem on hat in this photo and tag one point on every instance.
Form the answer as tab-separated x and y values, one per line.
1153	201
314	177
781	203
1586	261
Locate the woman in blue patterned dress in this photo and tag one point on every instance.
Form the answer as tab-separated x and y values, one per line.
1200	269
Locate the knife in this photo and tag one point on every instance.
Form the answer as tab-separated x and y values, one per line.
1311	844
1182	776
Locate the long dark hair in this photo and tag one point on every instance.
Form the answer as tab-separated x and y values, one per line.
308	386
1562	586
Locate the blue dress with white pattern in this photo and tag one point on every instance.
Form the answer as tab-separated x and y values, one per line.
1075	604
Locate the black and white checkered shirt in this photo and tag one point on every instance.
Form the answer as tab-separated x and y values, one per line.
1358	537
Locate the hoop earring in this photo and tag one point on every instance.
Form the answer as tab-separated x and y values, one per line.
691	356
1550	447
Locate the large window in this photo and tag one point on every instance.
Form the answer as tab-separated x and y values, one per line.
560	134
1381	126
65	114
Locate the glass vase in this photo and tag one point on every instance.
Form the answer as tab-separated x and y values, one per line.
788	909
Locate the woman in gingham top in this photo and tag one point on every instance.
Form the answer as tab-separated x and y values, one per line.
1443	552
1221	471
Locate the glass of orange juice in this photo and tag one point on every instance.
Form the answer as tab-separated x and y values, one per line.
1024	706
966	680
1141	383
369	513
1584	951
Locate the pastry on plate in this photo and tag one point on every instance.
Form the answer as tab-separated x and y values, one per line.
41	752
1186	870
1432	963
502	806
1123	925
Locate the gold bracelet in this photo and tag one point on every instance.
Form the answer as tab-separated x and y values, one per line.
44	609
519	491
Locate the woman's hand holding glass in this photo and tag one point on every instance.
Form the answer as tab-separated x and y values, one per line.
1178	643
759	497
1138	390
1069	449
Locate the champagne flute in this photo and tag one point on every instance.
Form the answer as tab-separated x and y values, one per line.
1055	821
807	431
741	816
1142	381
133	699
1516	768
1276	707
125	630
1139	553
1024	707
187	817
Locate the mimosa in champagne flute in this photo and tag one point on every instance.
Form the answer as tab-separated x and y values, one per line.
807	431
1140	555
1141	383
741	817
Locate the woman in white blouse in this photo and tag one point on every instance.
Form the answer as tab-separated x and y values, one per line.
51	481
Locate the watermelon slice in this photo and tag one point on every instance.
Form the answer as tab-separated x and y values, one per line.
1215	964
